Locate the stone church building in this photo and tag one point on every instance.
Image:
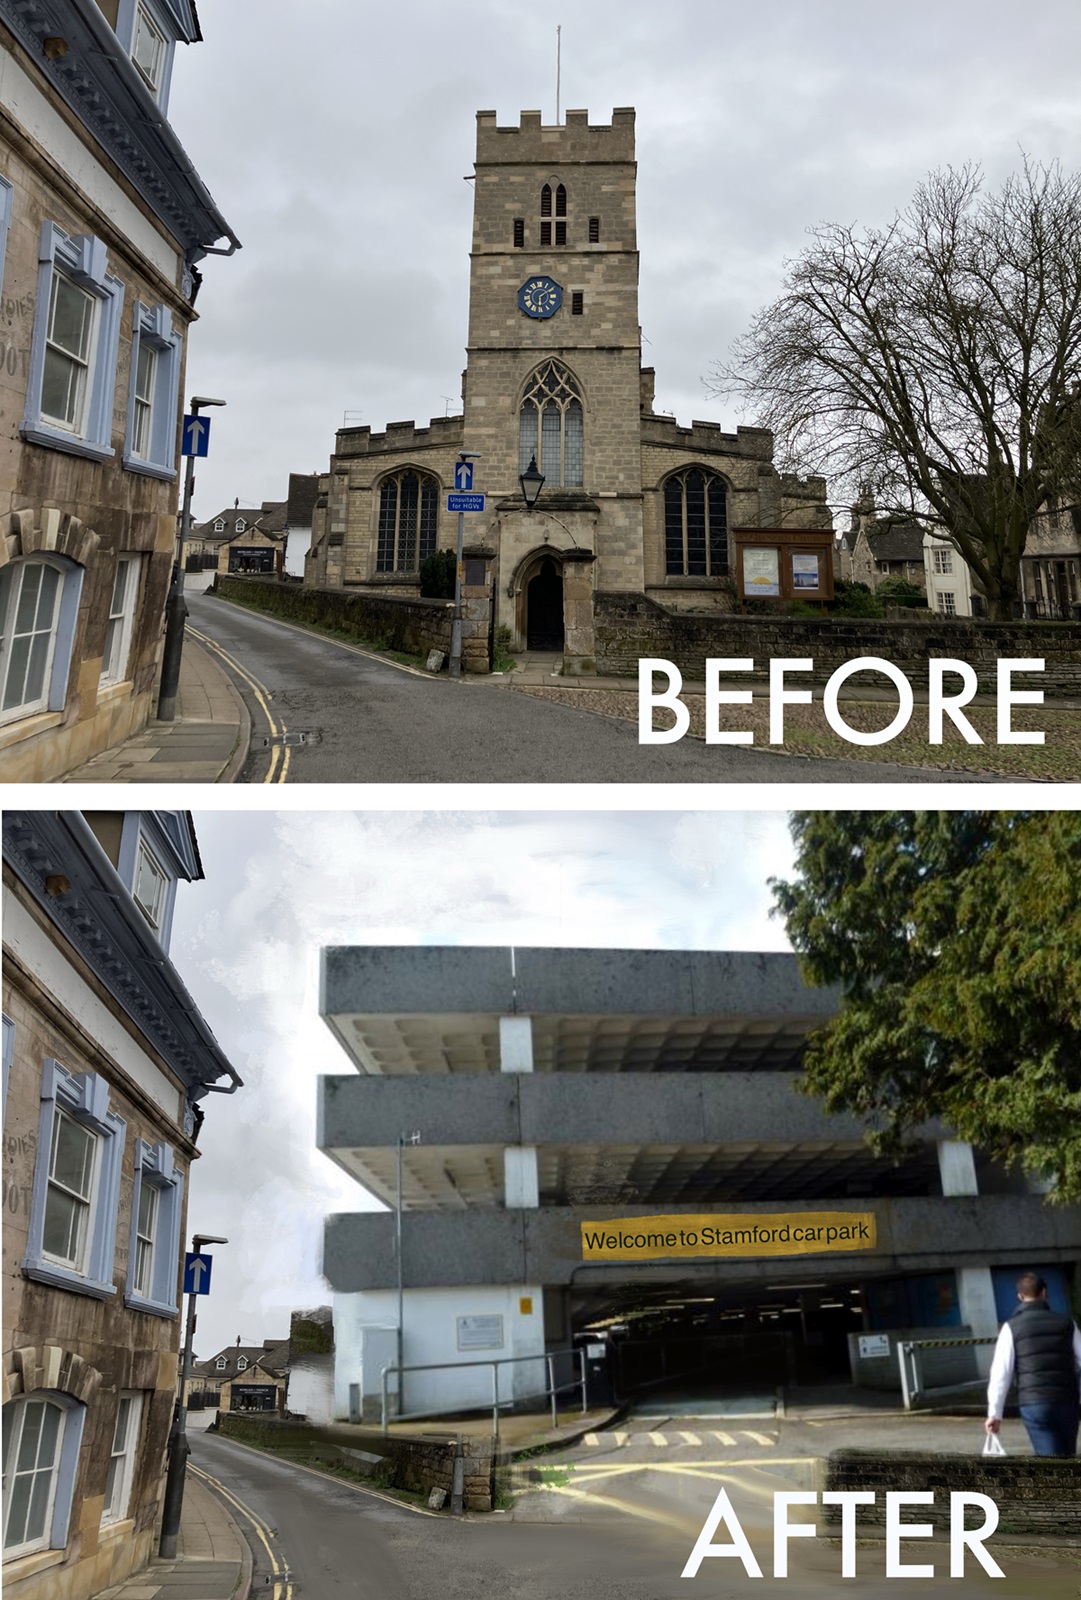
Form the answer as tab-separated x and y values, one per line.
631	502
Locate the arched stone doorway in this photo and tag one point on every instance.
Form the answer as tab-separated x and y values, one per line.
544	606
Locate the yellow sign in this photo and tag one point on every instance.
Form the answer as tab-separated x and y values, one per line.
794	1233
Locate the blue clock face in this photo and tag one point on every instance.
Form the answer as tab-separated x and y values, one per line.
540	297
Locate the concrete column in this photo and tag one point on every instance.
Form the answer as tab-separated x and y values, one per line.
521	1185
956	1167
515	1044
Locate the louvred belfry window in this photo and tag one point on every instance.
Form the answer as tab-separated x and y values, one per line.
550	427
408	522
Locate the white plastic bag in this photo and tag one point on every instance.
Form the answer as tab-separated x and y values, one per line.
992	1445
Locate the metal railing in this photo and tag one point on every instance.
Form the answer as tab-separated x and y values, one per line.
551	1392
914	1387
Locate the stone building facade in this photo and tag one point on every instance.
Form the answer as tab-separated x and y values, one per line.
106	1061
631	501
102	223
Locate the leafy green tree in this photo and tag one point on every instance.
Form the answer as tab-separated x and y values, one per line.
955	938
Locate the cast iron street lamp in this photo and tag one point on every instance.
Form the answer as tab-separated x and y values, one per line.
176	609
532	481
179	1449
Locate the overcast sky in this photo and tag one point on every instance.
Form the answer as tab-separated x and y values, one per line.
280	886
335	136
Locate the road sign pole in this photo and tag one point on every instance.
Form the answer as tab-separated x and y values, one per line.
454	665
179	1449
176	610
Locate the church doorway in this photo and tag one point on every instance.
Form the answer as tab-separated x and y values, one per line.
544	607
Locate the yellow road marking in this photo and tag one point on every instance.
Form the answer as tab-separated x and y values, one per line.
690	1438
724	1438
658	1438
281	1591
261	693
592	1439
759	1438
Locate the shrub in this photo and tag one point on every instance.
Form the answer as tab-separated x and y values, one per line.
437	575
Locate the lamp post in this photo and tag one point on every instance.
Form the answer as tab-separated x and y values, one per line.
454	665
531	482
176	609
403	1140
179	1449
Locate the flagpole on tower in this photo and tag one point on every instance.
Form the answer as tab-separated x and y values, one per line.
559	30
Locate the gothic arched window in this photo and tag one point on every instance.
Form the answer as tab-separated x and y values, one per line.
408	519
695	525
550	427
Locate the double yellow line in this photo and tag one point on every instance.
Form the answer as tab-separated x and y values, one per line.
283	1588
279	754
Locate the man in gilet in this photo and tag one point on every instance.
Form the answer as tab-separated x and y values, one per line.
1042	1348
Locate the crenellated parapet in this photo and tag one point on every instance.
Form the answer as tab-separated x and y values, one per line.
534	142
754	443
441	433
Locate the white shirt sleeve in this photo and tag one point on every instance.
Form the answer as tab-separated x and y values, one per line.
1001	1375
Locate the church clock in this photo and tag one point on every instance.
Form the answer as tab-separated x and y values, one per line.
540	297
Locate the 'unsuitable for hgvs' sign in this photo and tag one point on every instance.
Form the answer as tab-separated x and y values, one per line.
778	1234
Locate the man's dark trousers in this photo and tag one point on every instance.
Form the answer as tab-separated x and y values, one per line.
1052	1427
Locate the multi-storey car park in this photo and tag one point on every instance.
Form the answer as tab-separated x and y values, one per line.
552	1088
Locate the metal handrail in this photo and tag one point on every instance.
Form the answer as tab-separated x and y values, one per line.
551	1392
910	1377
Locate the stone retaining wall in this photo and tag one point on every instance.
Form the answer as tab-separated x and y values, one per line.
383	621
420	1462
1034	1494
628	626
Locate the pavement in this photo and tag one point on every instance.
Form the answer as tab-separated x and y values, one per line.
213	1561
207	743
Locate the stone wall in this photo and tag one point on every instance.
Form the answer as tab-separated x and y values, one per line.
1034	1494
419	1463
392	622
628	626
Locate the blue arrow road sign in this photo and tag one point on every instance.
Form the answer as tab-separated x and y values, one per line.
196	436
463	475
465	502
197	1273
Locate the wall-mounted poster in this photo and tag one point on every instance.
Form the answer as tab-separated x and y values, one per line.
480	1333
761	572
804	569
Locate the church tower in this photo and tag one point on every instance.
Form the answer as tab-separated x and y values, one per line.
554	359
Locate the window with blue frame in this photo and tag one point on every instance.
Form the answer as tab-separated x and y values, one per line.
148	32
150	441
147	864
42	1433
39	608
155	1230
73	1205
73	351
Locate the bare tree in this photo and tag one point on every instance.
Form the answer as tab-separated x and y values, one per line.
935	363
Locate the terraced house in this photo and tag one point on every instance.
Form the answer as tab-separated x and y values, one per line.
106	1065
103	221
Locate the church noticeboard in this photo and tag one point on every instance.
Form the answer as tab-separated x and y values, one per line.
784	563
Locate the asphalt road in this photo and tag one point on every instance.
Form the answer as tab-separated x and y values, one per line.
621	1530
366	720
